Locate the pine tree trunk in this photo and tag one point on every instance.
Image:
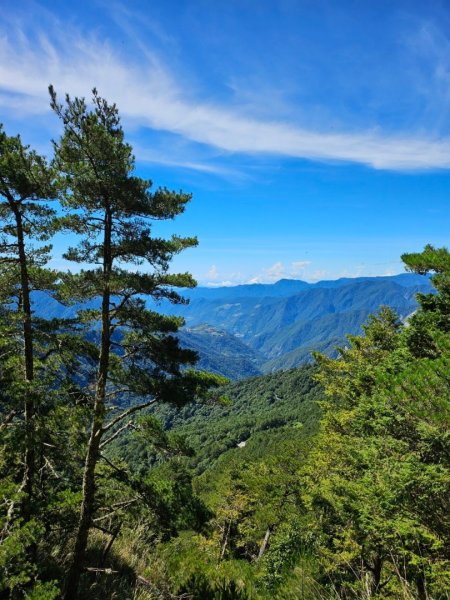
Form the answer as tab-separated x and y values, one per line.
92	456
29	409
87	505
376	571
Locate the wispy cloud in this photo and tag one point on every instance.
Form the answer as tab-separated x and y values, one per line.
149	95
273	273
161	157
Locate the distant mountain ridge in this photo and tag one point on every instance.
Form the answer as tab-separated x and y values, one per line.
250	329
289	287
284	322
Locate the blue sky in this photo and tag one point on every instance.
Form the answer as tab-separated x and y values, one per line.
314	135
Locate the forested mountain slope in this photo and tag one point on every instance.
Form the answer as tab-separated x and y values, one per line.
358	510
271	407
221	352
284	327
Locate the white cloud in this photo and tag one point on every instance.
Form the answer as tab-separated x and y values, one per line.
213	273
278	271
149	95
298	267
160	157
317	275
356	271
269	275
216	284
275	271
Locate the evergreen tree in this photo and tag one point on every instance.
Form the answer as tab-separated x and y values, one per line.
26	223
377	483
434	313
111	210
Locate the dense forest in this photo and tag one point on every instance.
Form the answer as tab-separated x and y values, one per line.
127	473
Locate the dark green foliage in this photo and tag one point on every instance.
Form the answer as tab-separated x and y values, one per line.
262	411
65	381
359	511
35	388
377	483
112	211
252	539
198	586
435	308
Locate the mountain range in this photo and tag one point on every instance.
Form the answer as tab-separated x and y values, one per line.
279	325
251	329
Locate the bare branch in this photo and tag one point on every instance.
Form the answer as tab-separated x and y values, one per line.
10	513
48	464
126	413
98	570
9	417
124	503
116	434
118	392
102	529
117	307
118	506
114	534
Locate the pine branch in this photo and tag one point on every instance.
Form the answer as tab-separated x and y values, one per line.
112	465
116	508
116	434
126	413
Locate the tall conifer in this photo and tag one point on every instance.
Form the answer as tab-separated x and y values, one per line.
111	210
26	224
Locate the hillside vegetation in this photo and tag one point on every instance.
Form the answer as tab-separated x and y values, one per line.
260	411
359	510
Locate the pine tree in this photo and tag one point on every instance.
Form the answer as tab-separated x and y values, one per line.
26	224
111	210
434	313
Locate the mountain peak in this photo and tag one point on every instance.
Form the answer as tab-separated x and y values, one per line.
291	283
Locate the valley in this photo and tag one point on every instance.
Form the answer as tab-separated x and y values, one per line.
249	330
271	327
